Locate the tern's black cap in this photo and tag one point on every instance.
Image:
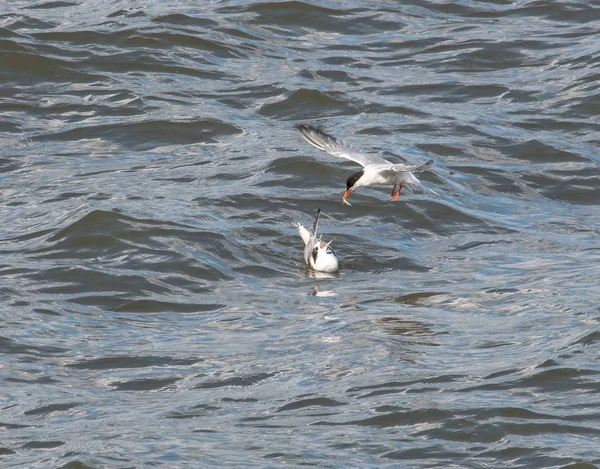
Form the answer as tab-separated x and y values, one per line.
353	178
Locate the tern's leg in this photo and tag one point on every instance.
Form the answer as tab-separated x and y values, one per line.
398	193
393	190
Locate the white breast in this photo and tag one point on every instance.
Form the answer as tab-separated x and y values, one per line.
326	261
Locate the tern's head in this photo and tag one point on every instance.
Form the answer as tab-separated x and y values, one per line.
353	179
351	183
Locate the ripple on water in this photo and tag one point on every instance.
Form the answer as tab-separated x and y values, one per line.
151	134
156	308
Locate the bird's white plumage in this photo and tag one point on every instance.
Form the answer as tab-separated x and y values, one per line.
304	234
377	171
317	254
319	139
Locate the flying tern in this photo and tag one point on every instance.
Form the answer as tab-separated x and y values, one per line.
377	171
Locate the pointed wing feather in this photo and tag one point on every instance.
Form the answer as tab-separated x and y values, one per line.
316	222
319	139
304	234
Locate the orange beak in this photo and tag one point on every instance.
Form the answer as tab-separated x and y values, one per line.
346	195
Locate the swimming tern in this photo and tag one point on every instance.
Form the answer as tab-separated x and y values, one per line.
317	254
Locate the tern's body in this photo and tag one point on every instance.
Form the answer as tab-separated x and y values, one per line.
377	171
318	255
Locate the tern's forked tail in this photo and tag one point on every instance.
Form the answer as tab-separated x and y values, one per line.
425	188
412	179
423	167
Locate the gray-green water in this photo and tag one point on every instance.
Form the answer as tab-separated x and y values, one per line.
155	308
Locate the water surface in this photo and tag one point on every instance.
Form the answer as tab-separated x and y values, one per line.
155	308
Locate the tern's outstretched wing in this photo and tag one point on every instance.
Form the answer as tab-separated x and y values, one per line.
304	233
319	139
316	222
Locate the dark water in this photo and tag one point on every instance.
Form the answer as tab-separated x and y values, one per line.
155	307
